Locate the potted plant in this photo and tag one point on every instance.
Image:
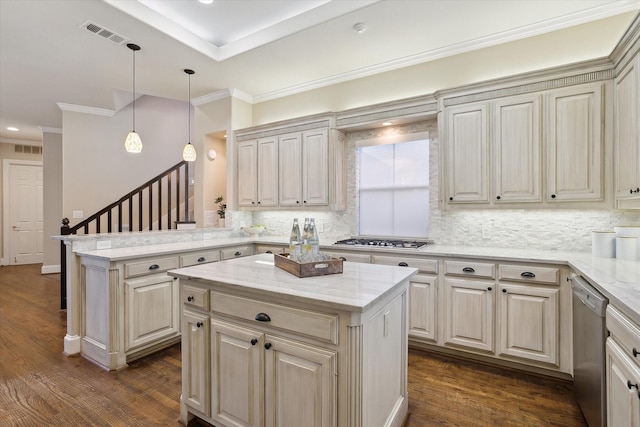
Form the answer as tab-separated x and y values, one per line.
222	207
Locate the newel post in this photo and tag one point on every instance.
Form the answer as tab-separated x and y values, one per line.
64	230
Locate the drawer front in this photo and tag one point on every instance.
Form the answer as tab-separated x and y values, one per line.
269	249
350	256
150	266
236	251
625	332
422	264
303	322
529	273
196	297
199	258
468	268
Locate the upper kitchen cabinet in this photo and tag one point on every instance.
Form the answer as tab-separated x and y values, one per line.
296	164
575	143
493	151
257	172
537	140
627	135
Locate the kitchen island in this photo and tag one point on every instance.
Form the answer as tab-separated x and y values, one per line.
261	346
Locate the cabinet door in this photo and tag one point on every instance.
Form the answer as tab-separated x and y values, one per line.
195	361
528	317
300	384
469	311
517	145
290	174
237	377
575	143
623	379
467	141
152	311
268	171
627	132
423	307
247	173
315	167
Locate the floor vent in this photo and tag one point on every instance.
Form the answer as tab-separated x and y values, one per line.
103	32
28	149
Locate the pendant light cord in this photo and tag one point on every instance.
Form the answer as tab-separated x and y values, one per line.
189	109
134	89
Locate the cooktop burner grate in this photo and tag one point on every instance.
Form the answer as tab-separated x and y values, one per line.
389	243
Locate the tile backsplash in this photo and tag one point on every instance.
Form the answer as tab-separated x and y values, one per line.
562	229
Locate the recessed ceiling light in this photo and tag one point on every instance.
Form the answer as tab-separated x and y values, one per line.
13	129
206	1
387	124
360	28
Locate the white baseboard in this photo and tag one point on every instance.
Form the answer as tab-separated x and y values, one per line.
3	261
50	269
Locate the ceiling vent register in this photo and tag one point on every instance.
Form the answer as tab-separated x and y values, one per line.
103	32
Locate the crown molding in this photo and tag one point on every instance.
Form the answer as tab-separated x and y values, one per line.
222	94
84	109
45	129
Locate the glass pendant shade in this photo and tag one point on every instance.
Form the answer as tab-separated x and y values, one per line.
133	143
189	153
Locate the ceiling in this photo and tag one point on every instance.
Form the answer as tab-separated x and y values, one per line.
265	49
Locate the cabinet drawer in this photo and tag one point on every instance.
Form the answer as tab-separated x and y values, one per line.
304	322
269	249
466	268
196	297
422	264
199	258
625	332
236	251
528	273
150	266
350	256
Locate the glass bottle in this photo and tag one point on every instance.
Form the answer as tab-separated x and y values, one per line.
295	241
305	255
313	241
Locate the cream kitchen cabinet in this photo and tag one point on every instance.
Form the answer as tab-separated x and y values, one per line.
308	170
423	294
260	379
236	251
623	370
627	136
257	172
508	132
195	354
348	255
270	249
575	118
304	169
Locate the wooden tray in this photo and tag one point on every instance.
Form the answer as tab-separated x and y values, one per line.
308	269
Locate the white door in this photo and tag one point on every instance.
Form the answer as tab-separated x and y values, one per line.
24	212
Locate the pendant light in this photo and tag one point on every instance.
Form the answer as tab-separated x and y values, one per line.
133	143
189	152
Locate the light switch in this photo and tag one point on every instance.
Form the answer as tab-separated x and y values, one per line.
78	214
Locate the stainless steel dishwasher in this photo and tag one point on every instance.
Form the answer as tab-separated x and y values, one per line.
589	335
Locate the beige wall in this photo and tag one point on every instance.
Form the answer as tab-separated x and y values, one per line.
477	66
52	193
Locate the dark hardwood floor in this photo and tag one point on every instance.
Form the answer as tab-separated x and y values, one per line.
39	386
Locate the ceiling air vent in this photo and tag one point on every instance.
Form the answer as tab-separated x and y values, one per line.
103	32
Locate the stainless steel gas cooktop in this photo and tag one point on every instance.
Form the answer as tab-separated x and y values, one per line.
384	242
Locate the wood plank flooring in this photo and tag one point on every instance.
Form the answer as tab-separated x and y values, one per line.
39	386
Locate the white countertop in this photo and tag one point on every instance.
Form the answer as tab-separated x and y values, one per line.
356	289
618	280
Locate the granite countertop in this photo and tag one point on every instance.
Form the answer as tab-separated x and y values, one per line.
618	280
356	289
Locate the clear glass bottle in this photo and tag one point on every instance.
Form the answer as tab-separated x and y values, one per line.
314	241
305	255
295	241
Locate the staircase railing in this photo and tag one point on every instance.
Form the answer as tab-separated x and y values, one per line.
147	207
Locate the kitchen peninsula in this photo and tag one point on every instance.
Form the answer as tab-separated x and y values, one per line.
261	346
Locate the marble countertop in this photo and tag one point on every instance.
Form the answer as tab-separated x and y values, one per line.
618	280
356	289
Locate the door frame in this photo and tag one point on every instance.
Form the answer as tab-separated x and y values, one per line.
6	167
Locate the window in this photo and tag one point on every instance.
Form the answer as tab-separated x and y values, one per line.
394	189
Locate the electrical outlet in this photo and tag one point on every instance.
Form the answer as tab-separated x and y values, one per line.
78	214
486	231
320	227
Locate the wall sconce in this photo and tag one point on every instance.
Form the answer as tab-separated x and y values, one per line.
211	155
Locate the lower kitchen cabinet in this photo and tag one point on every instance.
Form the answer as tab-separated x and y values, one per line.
152	310
423	304
469	314
528	317
623	370
195	355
